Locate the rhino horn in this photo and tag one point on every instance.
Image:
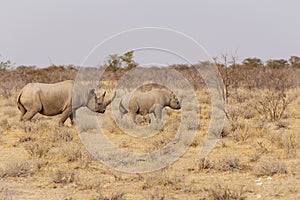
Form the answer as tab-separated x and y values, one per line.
109	101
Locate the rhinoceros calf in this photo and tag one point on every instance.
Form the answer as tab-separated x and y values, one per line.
143	103
54	99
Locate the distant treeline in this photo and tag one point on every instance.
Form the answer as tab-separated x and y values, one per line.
251	73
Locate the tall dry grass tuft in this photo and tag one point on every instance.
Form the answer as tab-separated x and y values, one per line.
221	192
63	177
270	166
21	168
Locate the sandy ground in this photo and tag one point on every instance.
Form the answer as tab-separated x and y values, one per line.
38	160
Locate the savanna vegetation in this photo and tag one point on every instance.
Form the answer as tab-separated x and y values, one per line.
258	156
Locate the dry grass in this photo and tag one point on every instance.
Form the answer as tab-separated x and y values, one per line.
63	177
20	168
270	166
48	159
220	192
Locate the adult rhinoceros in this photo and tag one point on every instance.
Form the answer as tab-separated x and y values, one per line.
54	99
147	102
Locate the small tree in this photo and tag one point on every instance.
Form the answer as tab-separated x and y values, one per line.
273	98
4	65
277	63
125	61
294	61
226	67
252	62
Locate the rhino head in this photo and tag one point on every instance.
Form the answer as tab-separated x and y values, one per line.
174	102
98	104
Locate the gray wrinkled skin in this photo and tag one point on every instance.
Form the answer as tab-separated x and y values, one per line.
54	99
146	102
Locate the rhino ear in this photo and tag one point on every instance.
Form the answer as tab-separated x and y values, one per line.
172	95
92	92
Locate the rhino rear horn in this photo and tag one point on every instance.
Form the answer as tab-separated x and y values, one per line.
103	95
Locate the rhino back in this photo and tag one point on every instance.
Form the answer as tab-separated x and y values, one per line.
54	98
145	100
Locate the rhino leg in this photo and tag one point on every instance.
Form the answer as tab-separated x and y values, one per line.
29	115
23	111
65	115
133	116
157	111
72	116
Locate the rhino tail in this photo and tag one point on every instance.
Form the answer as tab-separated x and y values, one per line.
20	105
122	109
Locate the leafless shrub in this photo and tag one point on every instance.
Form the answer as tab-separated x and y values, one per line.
288	142
229	163
233	115
18	169
273	104
84	182
118	195
270	166
220	192
73	152
206	164
242	134
38	148
165	179
254	157
59	134
227	68
262	147
63	177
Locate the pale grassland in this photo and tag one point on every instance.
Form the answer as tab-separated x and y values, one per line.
255	159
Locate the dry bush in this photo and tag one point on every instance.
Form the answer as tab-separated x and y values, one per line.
74	152
288	142
114	196
220	192
60	134
242	134
234	115
20	169
229	163
174	181
206	164
272	104
63	177
269	166
38	148
225	163
84	182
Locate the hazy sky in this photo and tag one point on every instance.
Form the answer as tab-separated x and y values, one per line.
37	32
